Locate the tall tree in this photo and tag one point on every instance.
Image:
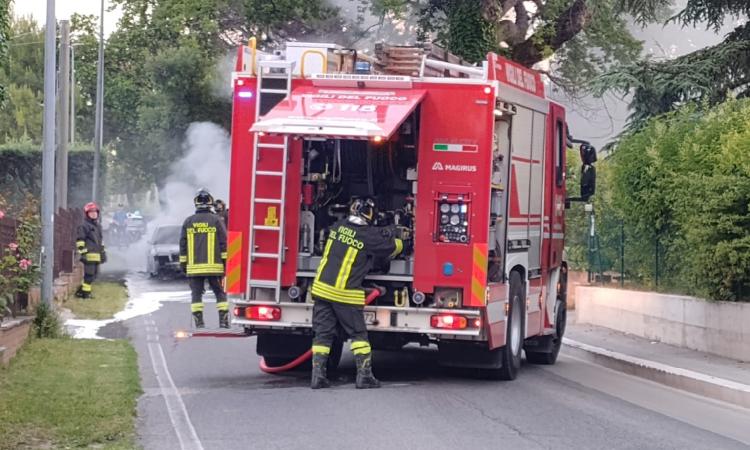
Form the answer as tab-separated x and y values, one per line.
586	37
708	75
23	77
4	30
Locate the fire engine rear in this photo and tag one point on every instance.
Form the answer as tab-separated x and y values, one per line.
473	166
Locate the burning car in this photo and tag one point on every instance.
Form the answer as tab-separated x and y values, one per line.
164	251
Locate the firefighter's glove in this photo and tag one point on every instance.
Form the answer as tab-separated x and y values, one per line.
82	258
403	233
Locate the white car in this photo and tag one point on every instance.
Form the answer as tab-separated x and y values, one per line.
164	251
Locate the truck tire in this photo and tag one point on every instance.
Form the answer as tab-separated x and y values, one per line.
554	342
510	354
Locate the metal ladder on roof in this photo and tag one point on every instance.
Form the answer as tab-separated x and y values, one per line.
269	176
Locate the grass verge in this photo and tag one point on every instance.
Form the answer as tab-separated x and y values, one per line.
60	393
109	298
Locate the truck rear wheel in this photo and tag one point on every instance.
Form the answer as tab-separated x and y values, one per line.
510	354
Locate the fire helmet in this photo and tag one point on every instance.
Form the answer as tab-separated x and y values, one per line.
364	208
91	206
203	199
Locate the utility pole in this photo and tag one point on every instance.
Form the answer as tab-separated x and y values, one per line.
99	123
72	94
63	126
48	159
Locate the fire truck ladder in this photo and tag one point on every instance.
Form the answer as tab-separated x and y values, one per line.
268	176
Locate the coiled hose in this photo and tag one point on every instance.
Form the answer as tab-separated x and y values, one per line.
301	359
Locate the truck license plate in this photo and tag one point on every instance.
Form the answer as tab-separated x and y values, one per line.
369	317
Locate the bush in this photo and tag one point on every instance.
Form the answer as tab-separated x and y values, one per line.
681	186
47	323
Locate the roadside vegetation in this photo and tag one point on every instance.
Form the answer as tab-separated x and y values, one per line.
62	393
109	298
678	190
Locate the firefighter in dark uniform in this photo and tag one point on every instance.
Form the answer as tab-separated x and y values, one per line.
352	245
203	255
90	247
221	210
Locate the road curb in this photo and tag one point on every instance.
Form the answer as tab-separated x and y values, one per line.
687	380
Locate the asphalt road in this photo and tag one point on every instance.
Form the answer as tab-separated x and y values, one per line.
205	393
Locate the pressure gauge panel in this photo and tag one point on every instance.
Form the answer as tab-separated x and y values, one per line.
452	220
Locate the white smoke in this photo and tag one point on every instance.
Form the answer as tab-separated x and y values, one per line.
205	164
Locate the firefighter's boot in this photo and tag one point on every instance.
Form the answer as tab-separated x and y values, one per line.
80	293
319	369
223	319
198	318
365	378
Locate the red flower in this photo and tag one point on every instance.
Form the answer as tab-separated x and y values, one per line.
2	214
25	264
13	246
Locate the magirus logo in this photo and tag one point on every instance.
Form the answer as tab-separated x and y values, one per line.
438	166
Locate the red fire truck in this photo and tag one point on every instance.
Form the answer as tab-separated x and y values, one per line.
473	164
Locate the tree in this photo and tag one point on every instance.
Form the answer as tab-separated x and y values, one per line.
707	76
23	77
586	37
4	37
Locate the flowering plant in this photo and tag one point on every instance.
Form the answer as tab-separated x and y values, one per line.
18	268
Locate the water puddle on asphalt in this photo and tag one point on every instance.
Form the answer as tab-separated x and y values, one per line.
144	298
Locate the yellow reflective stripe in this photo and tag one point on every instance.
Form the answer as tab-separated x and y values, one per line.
183	258
80	244
222	306
93	257
399	247
346	268
223	255
324	260
360	348
196	307
211	257
191	248
203	269
352	294
321	349
85	287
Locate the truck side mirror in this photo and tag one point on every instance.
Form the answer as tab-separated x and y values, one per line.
588	154
588	182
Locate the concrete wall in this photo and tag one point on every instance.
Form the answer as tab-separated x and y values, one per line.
721	328
13	333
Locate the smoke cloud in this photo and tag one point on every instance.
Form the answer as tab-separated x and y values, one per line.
205	164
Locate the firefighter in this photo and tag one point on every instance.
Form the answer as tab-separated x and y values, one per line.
353	243
89	245
221	210
203	255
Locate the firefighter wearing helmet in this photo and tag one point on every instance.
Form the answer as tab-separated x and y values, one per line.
203	255
353	244
89	246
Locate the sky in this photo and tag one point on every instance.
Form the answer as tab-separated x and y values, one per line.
65	8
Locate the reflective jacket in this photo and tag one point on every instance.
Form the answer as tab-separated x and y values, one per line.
347	258
89	241
203	244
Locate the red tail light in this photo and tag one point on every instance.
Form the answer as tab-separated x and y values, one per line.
448	321
263	313
454	322
239	312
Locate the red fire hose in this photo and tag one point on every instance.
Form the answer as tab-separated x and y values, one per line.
375	293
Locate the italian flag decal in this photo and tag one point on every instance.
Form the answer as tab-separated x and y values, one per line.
456	148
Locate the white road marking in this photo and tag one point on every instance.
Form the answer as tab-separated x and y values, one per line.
176	409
